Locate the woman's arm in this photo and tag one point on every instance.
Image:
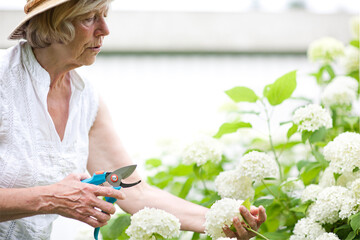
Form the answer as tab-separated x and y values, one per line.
107	153
70	198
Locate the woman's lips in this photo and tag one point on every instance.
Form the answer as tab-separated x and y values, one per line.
95	49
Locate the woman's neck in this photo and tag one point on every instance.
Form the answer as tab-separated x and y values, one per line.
52	59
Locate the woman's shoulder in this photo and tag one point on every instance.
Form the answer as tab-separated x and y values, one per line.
10	58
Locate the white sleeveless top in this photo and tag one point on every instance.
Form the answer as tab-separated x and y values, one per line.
31	152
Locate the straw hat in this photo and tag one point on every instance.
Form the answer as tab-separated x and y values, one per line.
31	9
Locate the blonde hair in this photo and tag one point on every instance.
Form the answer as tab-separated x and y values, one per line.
56	24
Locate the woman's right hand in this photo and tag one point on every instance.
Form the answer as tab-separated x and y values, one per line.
74	199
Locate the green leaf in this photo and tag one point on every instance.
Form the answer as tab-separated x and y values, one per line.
303	163
152	163
355	43
355	222
351	236
116	227
336	176
247	204
265	202
301	208
277	235
281	89
318	135
195	236
181	170
186	188
320	159
330	71
354	74
161	179
292	130
310	175
287	145
305	135
352	121
242	94
342	231
231	128
158	236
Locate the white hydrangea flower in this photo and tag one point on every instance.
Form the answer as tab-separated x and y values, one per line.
312	117
327	179
257	166
229	184
221	213
328	236
346	81
203	149
350	60
325	50
332	204
310	193
307	229
355	188
149	221
343	152
355	25
341	91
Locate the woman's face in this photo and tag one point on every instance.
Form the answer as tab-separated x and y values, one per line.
90	30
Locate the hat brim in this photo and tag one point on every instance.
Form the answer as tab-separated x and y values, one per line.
17	33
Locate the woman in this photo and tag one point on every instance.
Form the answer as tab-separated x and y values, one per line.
53	127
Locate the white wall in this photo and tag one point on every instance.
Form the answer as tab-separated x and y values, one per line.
289	31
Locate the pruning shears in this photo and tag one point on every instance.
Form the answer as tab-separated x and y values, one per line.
114	179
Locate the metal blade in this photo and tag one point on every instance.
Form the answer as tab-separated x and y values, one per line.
126	185
114	178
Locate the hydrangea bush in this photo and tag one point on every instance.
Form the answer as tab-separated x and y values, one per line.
308	179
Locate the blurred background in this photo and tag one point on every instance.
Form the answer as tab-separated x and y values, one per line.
165	66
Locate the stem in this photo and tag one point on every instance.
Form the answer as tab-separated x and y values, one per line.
257	233
205	188
262	180
270	140
278	198
203	181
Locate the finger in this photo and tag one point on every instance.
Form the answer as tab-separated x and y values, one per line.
262	216
102	217
254	210
250	219
92	222
104	206
228	232
239	227
83	176
109	192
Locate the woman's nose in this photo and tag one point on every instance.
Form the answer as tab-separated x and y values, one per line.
102	29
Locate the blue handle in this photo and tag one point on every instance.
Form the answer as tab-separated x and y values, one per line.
96	179
96	233
111	199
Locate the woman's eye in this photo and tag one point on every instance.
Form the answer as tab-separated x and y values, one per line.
90	19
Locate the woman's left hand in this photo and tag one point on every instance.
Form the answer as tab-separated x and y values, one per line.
255	217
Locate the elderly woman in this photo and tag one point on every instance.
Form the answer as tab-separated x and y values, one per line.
54	127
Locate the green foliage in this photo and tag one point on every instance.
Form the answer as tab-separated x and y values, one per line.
283	207
355	43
